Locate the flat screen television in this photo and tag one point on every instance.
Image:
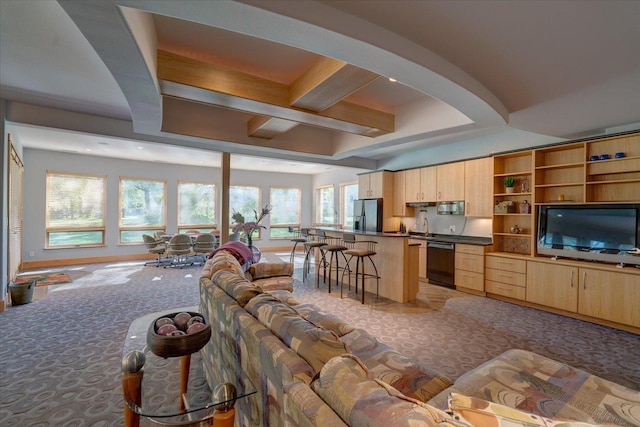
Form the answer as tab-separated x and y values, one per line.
603	232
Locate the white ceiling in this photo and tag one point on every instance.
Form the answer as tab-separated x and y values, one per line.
466	69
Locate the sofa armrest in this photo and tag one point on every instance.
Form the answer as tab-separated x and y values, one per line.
265	270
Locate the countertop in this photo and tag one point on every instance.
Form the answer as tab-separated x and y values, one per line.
449	238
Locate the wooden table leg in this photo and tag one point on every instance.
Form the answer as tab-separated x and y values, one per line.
185	365
224	419
132	390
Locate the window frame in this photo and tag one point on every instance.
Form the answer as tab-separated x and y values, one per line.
203	228
343	208
277	226
149	228
318	199
258	207
49	229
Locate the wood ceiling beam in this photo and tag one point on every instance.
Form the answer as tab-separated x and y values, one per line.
327	82
241	91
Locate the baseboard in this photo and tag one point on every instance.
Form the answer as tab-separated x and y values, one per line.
28	265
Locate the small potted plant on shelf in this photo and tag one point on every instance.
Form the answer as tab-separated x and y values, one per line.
509	183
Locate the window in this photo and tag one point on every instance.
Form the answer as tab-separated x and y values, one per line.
348	193
244	199
285	212
196	207
325	205
75	210
142	208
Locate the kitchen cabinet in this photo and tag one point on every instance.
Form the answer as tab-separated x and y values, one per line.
505	276
553	285
469	267
422	258
399	202
371	185
450	181
421	185
478	187
609	295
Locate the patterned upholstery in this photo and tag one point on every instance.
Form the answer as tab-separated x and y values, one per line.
533	383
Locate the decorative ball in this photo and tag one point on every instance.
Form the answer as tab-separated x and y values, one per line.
196	327
181	319
163	321
175	333
166	329
195	319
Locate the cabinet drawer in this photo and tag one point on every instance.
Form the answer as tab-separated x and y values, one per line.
504	290
509	277
499	263
469	279
470	262
469	249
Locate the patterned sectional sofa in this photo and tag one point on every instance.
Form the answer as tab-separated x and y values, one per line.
310	368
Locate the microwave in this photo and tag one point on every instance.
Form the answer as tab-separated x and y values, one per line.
451	208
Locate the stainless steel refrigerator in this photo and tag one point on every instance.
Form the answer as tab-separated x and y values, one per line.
367	215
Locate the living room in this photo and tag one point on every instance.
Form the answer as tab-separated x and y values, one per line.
107	72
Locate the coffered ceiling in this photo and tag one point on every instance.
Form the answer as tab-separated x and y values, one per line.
310	80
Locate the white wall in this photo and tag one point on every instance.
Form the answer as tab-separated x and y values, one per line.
37	162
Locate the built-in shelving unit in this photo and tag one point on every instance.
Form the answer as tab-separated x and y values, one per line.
562	174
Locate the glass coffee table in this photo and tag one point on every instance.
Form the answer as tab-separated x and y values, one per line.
162	398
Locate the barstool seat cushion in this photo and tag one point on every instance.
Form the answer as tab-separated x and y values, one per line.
334	248
315	244
360	252
298	239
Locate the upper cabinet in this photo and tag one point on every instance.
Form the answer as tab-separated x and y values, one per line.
478	187
450	179
371	185
399	203
420	185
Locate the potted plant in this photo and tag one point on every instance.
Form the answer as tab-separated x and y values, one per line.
248	228
509	183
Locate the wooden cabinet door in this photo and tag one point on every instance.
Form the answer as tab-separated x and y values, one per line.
428	184
363	186
412	185
376	182
478	191
552	285
610	296
399	184
450	180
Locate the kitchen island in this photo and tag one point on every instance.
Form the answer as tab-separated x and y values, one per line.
396	259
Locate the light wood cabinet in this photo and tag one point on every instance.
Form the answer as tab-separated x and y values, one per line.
610	296
469	267
422	258
505	276
450	181
552	285
399	202
478	188
421	185
371	185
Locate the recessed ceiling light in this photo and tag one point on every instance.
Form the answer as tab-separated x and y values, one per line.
87	149
140	148
391	79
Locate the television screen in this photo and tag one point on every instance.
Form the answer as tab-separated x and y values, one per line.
590	229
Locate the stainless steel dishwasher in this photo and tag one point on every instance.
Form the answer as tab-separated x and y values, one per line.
441	263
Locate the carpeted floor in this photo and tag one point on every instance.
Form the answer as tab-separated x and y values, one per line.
61	354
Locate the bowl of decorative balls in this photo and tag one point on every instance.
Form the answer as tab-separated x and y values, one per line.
178	334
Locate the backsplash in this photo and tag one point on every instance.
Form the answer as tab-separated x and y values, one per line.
442	224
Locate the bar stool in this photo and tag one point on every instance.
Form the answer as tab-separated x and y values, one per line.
300	237
333	245
360	249
313	242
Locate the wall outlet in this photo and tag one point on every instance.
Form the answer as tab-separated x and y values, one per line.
452	228
32	254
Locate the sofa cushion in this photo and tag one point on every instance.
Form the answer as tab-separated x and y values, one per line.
279	283
346	386
394	368
223	261
314	344
479	412
533	383
328	321
237	287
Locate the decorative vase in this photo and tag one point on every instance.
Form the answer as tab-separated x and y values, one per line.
249	240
